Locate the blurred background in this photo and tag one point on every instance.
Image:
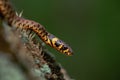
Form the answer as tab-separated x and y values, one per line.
90	27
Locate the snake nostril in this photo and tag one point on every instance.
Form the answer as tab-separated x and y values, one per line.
64	48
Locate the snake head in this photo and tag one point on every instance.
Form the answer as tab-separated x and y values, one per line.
60	45
63	47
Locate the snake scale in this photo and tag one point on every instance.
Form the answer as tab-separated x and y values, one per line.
8	14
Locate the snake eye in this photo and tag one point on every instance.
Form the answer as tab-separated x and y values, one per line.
57	44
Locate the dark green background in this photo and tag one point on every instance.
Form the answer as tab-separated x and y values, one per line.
91	27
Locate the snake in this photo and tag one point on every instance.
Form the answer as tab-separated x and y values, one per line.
8	14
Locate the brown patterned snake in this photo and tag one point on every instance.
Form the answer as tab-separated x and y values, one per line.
9	15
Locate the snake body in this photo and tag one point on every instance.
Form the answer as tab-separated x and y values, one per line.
8	14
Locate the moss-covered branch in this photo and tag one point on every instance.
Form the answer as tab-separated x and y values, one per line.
27	52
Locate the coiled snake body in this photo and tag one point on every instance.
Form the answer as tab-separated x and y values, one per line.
9	15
